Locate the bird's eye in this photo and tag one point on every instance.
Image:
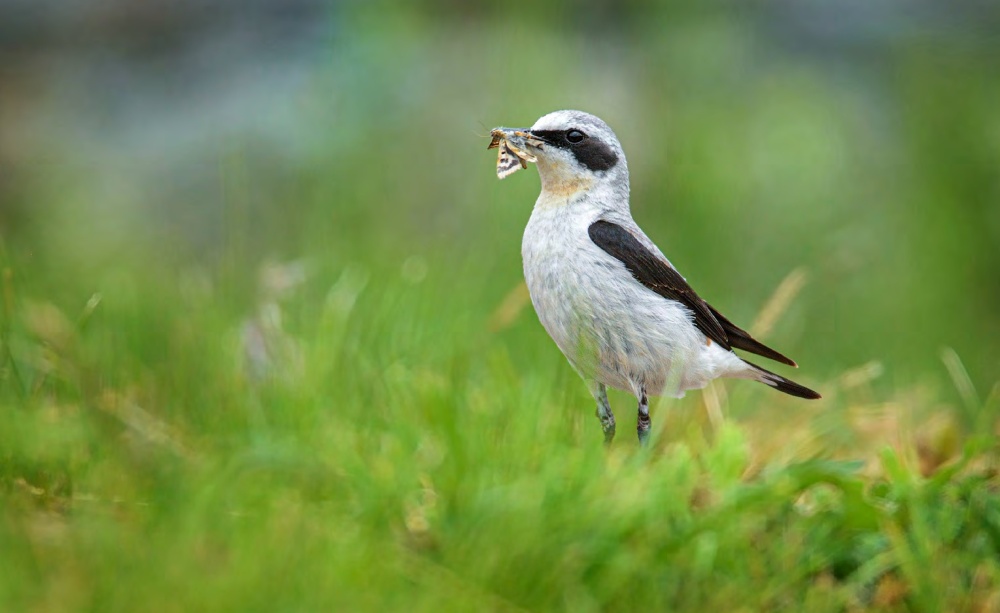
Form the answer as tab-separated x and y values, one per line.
575	136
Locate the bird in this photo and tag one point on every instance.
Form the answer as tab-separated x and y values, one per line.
615	306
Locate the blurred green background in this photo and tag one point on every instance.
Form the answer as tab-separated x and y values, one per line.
861	143
262	245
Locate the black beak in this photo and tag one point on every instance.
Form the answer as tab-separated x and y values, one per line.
534	136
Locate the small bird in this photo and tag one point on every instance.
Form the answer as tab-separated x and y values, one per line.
614	305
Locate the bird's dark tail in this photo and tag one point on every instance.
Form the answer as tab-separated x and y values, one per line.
780	383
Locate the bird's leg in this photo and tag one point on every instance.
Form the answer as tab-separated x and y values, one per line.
604	413
643	424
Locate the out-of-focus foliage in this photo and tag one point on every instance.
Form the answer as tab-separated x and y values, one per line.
263	345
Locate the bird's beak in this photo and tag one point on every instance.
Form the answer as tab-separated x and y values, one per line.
530	137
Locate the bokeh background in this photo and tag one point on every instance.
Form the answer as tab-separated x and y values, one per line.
860	141
268	234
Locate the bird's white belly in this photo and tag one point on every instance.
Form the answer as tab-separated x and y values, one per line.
611	328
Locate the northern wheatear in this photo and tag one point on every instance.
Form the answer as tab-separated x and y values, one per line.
615	306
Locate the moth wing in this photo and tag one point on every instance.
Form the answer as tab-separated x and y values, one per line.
507	162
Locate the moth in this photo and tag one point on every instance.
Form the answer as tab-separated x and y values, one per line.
510	158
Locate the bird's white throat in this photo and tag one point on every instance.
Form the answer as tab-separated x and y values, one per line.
561	182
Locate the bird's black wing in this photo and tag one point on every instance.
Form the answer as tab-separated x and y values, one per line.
656	274
741	339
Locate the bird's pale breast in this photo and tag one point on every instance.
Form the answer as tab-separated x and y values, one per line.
611	328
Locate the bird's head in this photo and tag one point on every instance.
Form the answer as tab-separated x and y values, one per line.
574	151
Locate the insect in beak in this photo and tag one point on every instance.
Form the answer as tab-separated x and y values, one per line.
512	155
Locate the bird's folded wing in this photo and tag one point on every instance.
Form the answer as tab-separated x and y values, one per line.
658	275
741	339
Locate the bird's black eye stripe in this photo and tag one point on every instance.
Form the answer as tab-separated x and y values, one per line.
593	153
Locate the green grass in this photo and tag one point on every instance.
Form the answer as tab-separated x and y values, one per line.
398	454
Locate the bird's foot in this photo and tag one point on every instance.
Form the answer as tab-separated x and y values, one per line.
604	412
643	423
609	434
642	429
607	425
